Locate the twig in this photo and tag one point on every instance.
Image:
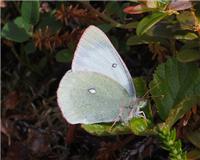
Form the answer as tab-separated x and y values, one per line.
173	47
105	17
22	62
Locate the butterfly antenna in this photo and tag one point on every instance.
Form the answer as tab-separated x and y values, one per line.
148	91
162	96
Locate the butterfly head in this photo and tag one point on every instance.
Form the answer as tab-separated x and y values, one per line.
142	103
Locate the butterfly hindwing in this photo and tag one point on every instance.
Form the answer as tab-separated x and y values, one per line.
89	97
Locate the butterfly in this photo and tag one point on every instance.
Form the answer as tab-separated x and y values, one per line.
99	87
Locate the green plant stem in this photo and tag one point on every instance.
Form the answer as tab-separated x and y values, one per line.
17	7
170	143
15	54
173	46
105	17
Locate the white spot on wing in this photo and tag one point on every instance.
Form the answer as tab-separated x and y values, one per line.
92	90
114	65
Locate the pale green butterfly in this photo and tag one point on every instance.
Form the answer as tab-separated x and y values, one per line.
99	87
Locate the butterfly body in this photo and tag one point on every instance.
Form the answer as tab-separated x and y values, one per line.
99	87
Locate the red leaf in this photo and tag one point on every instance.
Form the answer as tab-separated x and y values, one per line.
5	130
180	5
17	151
11	100
141	8
38	142
70	133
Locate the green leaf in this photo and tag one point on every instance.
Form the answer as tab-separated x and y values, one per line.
185	35
120	12
149	21
174	82
29	47
111	8
64	56
186	20
140	86
19	22
115	42
188	55
194	137
16	31
197	11
139	125
30	11
132	25
180	109
193	154
192	44
105	27
163	30
106	129
144	39
48	20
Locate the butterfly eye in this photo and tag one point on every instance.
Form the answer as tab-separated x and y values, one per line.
92	90
114	65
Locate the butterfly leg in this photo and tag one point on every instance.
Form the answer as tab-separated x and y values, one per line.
135	112
141	114
118	118
131	113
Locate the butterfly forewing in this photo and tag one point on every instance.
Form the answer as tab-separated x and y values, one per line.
96	53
